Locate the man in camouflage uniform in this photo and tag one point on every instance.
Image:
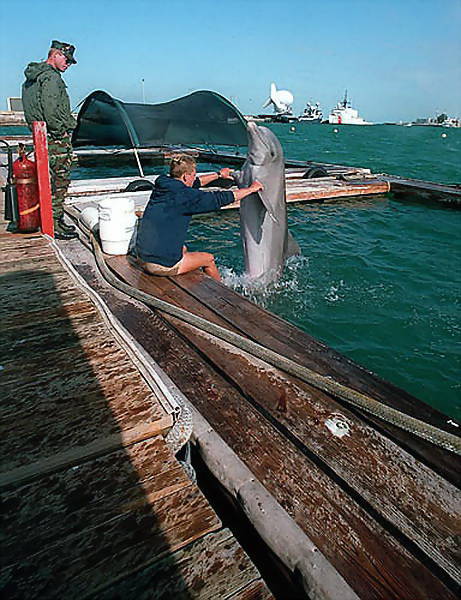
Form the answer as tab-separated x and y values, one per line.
45	98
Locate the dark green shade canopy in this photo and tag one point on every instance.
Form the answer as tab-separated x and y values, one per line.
199	118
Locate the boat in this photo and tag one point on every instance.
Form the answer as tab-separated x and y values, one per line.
344	114
311	114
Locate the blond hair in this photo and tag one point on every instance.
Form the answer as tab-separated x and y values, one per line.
181	164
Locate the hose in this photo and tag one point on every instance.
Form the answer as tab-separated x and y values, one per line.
428	432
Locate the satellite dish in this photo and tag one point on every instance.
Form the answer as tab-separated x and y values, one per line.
281	100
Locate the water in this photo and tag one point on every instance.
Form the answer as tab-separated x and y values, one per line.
378	279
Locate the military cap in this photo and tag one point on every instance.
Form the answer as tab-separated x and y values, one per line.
67	49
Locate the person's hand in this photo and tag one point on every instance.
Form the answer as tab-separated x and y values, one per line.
256	186
225	173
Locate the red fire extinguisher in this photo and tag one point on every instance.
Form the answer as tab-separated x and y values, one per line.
25	178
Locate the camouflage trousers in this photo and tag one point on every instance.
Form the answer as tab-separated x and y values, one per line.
60	160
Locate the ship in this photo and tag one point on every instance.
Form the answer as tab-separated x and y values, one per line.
312	113
344	114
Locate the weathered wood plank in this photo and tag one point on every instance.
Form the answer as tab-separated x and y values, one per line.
90	559
254	591
46	263
418	502
27	291
306	350
85	508
236	312
366	556
30	435
75	455
11	252
38	514
212	567
393	482
51	316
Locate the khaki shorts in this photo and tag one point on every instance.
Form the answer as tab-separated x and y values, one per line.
154	269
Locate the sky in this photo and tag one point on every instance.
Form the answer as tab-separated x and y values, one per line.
398	59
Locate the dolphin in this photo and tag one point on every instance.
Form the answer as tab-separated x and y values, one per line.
263	215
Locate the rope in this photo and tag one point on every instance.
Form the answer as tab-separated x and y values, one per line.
169	396
391	415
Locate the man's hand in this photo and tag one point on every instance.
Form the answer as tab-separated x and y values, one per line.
225	173
256	186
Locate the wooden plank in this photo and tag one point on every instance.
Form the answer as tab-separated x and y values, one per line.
90	405
55	460
254	591
426	190
51	316
92	558
40	513
26	291
290	341
365	554
43	263
392	482
212	567
236	312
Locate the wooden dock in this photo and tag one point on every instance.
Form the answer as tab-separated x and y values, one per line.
95	504
91	192
380	504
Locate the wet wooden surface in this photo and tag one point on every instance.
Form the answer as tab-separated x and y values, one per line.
91	494
381	505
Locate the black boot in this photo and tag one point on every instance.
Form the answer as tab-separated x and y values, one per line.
65	235
63	226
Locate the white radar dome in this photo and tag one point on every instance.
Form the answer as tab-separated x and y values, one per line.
280	99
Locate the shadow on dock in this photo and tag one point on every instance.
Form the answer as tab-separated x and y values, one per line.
94	502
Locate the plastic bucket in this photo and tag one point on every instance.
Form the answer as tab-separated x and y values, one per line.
117	221
89	217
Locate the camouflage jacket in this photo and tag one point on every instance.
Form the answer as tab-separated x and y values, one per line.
45	98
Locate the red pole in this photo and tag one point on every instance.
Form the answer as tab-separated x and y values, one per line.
43	177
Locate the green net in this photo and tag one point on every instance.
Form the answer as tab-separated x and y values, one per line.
199	118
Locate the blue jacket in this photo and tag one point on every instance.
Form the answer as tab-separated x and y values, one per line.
163	228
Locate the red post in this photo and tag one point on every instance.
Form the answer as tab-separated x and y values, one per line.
43	177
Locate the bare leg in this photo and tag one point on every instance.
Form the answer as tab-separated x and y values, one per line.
194	260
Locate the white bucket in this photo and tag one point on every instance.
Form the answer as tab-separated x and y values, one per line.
89	217
117	221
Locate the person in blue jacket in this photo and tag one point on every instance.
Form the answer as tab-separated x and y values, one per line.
163	228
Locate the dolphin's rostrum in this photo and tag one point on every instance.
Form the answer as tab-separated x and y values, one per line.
263	216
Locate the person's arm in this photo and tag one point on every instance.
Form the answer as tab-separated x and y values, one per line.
208	178
195	201
243	192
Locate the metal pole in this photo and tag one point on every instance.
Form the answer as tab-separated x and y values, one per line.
143	94
135	150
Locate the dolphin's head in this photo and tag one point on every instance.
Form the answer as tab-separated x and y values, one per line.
263	145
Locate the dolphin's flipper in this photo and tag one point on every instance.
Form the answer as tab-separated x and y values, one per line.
267	205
